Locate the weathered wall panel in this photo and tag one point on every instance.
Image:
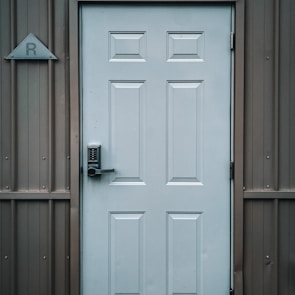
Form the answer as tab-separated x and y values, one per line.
32	129
261	77
39	250
35	120
259	97
259	252
287	94
5	149
286	269
34	152
269	160
61	94
5	249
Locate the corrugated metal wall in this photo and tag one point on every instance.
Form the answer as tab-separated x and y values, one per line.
269	212
34	247
35	144
34	152
34	126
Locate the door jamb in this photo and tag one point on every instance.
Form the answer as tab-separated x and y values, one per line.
238	135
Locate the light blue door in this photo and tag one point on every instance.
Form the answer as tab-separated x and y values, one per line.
156	98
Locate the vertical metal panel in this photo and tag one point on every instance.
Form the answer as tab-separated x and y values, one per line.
13	99
259	248
287	93
31	127
31	101
51	103
286	247
253	106
5	248
28	89
40	261
270	141
5	148
61	95
32	252
259	82
61	248
35	100
35	152
270	109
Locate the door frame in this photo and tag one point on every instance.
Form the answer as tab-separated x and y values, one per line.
237	125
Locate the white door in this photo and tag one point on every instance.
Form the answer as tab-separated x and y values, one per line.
156	97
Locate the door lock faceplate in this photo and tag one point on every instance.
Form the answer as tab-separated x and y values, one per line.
94	161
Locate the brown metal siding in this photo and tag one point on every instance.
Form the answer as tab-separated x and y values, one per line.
259	95
34	247
269	247
265	115
35	117
4	95
269	160
287	95
286	269
35	199
259	252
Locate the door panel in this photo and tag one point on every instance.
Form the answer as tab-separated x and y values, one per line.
156	96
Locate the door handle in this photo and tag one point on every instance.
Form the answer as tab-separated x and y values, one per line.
94	161
94	171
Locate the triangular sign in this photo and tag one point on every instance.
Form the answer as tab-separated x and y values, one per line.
31	48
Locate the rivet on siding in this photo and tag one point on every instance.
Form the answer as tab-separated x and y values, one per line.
44	257
268	262
68	157
68	187
7	187
268	157
6	158
267	57
244	188
43	158
43	186
5	257
68	257
267	186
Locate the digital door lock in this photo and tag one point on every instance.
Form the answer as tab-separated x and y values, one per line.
94	161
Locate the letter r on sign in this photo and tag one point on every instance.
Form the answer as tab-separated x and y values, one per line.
31	47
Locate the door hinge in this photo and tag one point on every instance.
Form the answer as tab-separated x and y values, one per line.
232	40
232	170
231	292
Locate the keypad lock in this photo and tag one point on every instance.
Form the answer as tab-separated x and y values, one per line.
94	161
